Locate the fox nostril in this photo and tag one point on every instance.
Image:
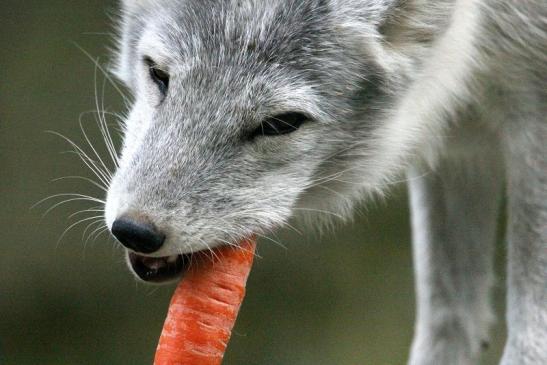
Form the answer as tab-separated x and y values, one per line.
137	236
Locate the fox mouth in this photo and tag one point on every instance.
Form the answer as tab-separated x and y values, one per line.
159	269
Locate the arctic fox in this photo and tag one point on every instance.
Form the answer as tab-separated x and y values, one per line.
248	112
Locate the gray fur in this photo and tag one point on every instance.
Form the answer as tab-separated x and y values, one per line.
453	266
454	91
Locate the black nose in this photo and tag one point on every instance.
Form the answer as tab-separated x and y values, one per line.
138	236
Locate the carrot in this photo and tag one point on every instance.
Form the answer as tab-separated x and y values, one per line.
204	307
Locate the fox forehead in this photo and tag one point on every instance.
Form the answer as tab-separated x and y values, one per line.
292	47
294	33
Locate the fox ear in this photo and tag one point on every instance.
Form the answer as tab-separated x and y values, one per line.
396	20
369	12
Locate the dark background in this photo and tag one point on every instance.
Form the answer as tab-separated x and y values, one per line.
343	298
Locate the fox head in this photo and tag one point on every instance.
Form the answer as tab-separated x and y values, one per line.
248	112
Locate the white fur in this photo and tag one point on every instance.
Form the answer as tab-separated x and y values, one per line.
459	102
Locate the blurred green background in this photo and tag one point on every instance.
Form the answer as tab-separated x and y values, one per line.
343	298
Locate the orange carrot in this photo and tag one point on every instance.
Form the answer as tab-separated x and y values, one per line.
204	307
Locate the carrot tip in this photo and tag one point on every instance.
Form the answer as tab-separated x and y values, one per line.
204	307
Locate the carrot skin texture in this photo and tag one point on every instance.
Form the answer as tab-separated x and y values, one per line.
204	307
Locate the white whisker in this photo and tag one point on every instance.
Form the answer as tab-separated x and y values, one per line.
96	209
105	169
83	196
88	161
93	182
75	224
88	227
105	73
101	122
320	211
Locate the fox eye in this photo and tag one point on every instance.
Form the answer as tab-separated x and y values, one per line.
159	76
284	123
